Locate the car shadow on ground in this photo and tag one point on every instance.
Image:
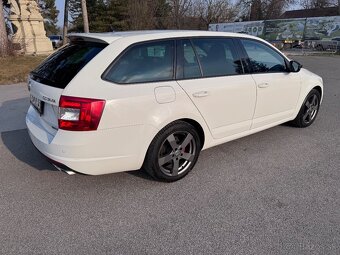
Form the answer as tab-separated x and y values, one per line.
14	135
19	144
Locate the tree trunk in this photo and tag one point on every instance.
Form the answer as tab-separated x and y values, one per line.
85	18
3	33
65	27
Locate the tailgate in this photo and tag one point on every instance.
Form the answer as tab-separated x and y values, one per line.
49	97
48	81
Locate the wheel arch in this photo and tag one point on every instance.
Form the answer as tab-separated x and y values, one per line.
198	127
319	89
304	93
201	129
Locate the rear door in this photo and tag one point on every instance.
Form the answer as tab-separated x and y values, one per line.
211	73
47	82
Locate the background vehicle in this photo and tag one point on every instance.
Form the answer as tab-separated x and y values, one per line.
154	99
330	45
57	40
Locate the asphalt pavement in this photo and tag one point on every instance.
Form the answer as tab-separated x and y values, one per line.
274	192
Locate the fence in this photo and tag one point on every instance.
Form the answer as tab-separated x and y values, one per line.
310	47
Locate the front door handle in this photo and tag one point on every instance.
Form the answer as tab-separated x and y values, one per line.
201	94
263	85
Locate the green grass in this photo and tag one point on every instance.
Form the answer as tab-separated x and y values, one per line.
16	69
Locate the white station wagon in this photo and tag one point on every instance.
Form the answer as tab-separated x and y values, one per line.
123	101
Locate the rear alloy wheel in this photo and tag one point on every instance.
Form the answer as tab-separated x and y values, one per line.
173	152
309	110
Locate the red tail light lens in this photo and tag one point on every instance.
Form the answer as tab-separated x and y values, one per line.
80	114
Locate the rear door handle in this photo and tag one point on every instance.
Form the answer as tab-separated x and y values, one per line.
263	85
201	94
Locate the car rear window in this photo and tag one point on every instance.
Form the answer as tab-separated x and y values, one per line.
61	67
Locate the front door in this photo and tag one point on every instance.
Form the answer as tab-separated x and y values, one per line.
216	84
277	89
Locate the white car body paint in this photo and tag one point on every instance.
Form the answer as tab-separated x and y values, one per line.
135	113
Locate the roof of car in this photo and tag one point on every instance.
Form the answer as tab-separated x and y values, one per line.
151	34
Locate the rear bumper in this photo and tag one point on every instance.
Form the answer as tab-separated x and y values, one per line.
91	152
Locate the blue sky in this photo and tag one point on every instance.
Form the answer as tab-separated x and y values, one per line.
60	7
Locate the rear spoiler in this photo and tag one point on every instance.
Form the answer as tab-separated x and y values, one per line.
77	38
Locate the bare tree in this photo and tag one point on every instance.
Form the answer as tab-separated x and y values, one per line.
3	33
65	26
85	17
309	4
180	9
214	11
141	14
262	9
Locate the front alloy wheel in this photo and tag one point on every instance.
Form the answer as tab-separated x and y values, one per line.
308	110
311	109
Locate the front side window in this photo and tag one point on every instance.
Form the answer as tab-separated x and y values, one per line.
263	59
146	62
218	57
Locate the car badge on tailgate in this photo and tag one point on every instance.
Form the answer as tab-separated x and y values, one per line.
47	99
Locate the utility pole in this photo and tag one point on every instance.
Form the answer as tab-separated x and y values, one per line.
338	7
3	33
85	18
65	27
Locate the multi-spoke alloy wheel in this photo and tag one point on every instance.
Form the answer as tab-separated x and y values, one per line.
309	110
173	152
176	153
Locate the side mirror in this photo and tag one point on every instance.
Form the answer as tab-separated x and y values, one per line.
294	66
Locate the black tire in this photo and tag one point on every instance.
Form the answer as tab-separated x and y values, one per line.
308	111
165	153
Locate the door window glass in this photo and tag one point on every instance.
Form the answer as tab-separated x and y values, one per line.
217	56
147	62
263	59
188	66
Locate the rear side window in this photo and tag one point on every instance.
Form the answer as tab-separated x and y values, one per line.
218	57
145	62
61	67
187	63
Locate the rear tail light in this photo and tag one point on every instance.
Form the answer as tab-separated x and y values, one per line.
80	114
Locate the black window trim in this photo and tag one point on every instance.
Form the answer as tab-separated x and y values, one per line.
238	51
173	40
197	58
180	59
247	59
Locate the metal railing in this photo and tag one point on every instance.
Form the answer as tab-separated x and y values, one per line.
310	47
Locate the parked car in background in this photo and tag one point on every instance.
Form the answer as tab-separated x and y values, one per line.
57	40
154	99
328	44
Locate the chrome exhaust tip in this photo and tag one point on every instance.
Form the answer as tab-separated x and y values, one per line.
69	172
